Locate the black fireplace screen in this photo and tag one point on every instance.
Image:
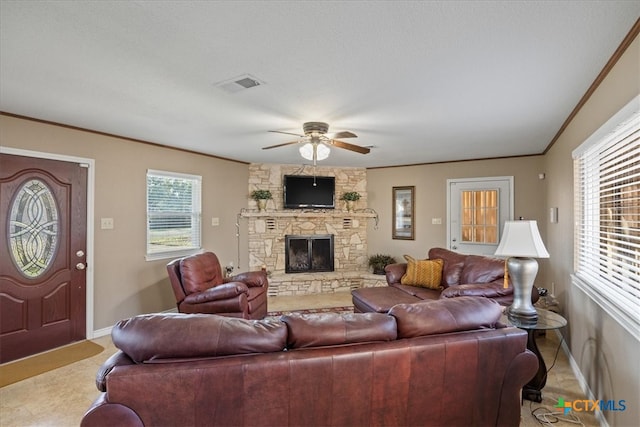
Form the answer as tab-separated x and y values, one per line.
305	254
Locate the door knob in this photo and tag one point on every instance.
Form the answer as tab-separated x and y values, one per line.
80	266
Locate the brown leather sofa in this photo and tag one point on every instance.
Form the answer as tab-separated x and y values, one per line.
462	275
447	362
200	287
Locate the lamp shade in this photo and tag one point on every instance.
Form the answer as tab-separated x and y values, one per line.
521	239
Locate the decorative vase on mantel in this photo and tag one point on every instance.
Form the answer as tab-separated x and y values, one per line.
261	197
351	205
350	198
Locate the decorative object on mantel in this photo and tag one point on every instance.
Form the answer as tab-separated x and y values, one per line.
379	261
261	197
350	197
521	243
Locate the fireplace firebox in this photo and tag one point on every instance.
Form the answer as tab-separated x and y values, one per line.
311	253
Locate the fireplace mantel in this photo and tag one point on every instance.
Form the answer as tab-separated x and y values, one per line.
369	213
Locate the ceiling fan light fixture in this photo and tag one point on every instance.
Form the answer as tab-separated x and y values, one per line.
308	149
322	151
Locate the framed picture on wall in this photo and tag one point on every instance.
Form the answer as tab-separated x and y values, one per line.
403	213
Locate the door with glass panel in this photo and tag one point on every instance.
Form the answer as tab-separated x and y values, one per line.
478	209
42	254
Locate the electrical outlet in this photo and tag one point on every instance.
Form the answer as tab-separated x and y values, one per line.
215	222
106	223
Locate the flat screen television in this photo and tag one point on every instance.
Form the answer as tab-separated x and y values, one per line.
303	191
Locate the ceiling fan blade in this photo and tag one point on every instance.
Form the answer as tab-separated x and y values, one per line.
280	145
343	134
352	147
287	133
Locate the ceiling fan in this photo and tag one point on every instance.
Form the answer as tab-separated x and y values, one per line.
317	141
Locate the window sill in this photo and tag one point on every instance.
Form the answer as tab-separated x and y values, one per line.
172	255
629	321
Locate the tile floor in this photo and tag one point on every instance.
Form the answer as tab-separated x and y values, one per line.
60	397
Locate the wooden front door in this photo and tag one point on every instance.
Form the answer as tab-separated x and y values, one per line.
43	223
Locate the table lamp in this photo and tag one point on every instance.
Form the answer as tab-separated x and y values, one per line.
521	244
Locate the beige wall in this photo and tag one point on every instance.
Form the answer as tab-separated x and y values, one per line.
124	283
431	200
605	352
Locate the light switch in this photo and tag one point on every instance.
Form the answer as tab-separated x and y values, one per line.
436	221
215	221
106	223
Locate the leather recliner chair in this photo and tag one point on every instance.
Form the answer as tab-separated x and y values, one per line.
200	287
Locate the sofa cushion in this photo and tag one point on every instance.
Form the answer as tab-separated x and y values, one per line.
481	269
424	273
152	337
452	268
446	315
315	330
200	272
417	291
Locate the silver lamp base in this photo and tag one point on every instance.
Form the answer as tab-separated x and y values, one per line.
523	273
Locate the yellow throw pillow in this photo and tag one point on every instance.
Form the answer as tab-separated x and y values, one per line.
426	273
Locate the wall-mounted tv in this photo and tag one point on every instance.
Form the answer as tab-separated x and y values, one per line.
303	191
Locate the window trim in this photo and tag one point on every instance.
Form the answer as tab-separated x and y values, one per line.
626	313
196	209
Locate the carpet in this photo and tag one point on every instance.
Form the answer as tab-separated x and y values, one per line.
340	310
12	372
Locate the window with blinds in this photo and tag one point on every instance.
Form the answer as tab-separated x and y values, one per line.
173	214
607	213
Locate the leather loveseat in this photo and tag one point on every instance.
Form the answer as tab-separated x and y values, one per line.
462	275
447	362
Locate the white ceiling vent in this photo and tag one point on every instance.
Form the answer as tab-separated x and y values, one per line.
237	84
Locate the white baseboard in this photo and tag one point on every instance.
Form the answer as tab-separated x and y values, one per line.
581	380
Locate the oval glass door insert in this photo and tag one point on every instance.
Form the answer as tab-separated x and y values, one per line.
33	228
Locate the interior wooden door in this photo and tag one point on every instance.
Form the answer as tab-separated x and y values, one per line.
43	221
478	209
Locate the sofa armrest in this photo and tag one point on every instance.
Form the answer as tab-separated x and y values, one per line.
220	292
117	359
487	290
253	279
394	272
493	289
103	414
520	371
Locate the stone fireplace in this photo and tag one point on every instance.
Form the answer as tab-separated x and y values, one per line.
268	232
308	254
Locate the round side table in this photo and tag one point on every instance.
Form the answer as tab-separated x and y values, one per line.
547	320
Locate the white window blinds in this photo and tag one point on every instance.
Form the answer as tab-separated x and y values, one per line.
173	214
607	212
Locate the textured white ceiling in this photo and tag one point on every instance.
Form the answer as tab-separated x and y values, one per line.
421	82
